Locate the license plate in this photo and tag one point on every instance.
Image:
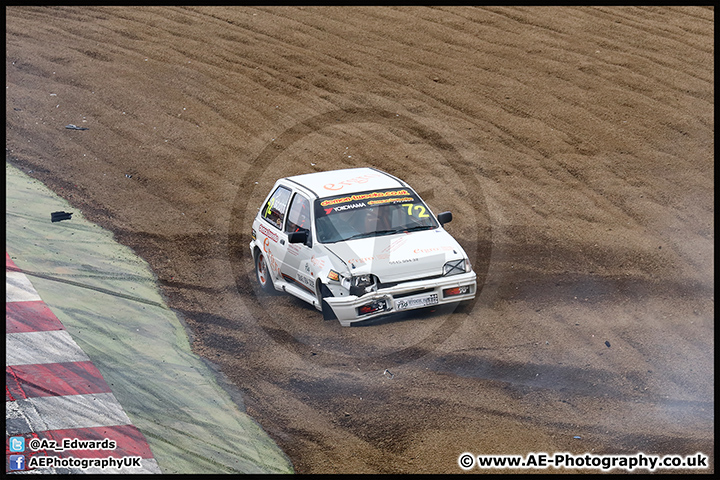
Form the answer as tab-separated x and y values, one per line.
416	302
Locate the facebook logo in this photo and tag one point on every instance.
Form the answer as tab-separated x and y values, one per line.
17	444
17	462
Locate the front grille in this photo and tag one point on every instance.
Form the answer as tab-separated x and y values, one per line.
414	292
382	285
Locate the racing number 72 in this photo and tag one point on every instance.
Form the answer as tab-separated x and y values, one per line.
418	208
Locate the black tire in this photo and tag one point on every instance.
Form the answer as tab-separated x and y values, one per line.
327	311
262	273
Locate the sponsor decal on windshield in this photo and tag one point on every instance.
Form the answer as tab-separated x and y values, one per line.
364	196
367	199
391	200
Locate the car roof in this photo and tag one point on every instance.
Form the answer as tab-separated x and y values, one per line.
349	180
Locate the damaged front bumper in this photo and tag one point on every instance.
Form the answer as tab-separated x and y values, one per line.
403	297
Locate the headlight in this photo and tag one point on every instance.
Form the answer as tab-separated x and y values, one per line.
361	284
454	267
362	281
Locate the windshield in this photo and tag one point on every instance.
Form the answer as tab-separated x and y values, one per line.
370	214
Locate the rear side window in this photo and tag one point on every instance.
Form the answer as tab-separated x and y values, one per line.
274	210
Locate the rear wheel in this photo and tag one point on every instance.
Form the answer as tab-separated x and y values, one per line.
262	273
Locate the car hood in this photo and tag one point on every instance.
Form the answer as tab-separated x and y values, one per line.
399	257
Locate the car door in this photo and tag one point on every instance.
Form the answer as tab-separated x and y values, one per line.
296	266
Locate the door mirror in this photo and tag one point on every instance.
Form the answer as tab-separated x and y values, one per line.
444	217
301	236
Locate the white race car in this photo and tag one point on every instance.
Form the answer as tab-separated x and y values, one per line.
357	244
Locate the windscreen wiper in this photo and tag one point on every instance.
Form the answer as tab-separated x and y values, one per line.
374	233
417	227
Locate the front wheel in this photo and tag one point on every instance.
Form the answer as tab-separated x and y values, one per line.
327	311
262	273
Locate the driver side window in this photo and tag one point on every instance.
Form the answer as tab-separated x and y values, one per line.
298	216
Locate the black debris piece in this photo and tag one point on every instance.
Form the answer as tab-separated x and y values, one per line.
59	216
607	344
